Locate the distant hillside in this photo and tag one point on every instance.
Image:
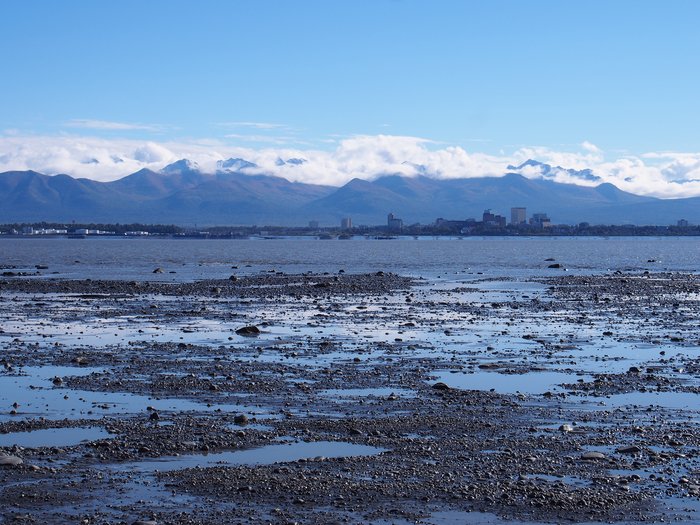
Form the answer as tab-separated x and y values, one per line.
423	199
182	194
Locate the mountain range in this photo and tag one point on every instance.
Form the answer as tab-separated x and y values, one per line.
181	193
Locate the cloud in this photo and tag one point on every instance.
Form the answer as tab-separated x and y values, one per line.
590	147
108	125
255	125
662	174
151	152
578	160
89	157
659	174
265	139
370	156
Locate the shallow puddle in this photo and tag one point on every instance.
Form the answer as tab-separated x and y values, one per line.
450	517
268	455
573	481
527	383
672	400
53	437
615	357
384	392
456	517
36	396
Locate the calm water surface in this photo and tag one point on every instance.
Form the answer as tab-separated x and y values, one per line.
115	258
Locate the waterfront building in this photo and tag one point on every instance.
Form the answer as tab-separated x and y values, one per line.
492	219
394	223
518	216
540	220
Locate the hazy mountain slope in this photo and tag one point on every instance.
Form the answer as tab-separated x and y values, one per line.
31	196
421	199
181	193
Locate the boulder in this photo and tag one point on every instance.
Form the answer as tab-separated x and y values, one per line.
248	331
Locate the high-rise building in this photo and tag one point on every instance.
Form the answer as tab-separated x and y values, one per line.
491	219
540	220
394	224
487	217
346	223
518	216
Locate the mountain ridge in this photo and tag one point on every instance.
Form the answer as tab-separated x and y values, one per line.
181	193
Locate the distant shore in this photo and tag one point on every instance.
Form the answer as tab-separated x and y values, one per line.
52	230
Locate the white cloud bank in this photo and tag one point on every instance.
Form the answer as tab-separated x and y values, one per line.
109	125
662	174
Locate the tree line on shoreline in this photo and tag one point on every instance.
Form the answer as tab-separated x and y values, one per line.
583	230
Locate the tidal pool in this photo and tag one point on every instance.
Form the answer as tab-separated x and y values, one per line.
53	437
270	454
35	395
527	383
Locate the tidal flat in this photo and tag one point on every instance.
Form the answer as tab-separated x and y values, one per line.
351	398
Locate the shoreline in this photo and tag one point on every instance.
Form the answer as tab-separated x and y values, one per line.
389	377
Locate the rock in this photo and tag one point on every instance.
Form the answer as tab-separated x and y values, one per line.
555	265
240	419
233	278
440	386
57	381
631	449
158	270
248	331
566	428
154	416
10	461
145	522
592	456
41	267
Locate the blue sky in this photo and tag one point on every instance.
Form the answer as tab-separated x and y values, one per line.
494	78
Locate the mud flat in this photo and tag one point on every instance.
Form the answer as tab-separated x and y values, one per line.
341	398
